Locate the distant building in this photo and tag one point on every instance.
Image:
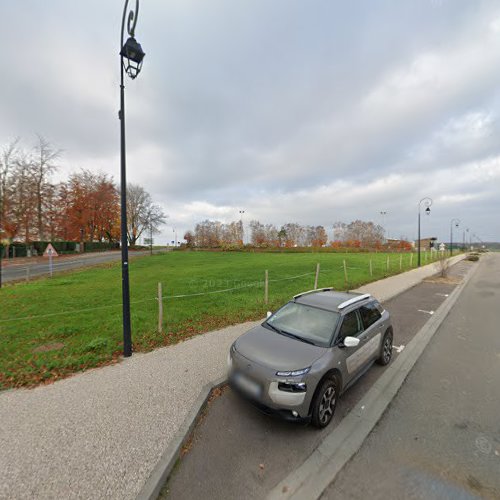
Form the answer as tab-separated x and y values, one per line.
426	244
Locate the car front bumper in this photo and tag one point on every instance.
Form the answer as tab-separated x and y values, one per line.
259	384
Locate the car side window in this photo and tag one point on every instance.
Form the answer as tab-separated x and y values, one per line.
369	314
350	326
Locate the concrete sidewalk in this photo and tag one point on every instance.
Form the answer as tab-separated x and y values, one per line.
100	434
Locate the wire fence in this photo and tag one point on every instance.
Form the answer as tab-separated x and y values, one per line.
377	270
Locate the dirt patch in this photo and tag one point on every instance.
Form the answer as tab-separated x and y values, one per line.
54	346
449	280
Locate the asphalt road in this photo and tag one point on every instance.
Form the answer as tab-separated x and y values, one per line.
27	269
238	452
440	438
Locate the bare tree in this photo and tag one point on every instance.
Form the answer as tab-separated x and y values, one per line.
42	167
8	158
142	213
367	233
22	206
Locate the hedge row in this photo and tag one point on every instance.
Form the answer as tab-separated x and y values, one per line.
17	249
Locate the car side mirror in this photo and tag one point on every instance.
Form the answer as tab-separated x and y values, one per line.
269	314
351	342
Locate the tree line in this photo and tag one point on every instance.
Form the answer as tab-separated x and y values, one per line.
214	234
85	207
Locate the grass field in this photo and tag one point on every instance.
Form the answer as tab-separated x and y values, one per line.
56	326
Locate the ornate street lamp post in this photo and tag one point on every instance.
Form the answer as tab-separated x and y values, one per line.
427	202
131	57
457	223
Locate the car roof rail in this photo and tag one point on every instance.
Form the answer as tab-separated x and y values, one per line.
343	305
329	289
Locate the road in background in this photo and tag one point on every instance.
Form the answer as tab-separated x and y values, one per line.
26	269
440	437
238	452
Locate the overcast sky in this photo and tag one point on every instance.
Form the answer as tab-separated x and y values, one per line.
309	111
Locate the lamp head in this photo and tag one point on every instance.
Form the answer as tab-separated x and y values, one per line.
133	56
427	211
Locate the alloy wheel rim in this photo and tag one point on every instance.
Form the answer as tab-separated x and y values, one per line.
327	405
387	349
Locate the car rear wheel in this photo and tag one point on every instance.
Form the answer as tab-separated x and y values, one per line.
386	349
324	404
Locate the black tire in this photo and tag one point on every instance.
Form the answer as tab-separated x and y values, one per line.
385	355
324	403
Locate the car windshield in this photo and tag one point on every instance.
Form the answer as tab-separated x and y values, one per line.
307	323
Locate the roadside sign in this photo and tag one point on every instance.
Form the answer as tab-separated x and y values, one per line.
50	251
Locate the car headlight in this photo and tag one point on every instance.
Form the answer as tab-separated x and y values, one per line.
294	373
291	387
232	349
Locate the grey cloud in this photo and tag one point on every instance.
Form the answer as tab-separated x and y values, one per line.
255	101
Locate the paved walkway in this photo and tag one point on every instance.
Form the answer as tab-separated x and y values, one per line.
100	434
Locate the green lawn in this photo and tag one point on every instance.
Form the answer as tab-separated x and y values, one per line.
56	326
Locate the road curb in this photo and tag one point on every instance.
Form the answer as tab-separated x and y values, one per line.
311	478
152	487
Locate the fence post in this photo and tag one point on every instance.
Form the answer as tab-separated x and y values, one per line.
411	260
160	309
371	268
50	263
400	262
387	263
266	288
345	274
425	256
317	276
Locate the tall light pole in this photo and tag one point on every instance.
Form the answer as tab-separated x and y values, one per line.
467	238
1	256
241	212
175	236
131	57
427	202
457	223
383	214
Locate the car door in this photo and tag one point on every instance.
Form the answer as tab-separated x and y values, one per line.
372	331
351	358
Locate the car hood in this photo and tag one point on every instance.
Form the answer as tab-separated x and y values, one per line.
271	349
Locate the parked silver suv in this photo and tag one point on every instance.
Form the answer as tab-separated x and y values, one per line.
298	361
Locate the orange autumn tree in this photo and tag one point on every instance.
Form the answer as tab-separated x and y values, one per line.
89	208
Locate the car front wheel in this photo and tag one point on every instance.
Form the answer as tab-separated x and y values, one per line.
386	349
324	404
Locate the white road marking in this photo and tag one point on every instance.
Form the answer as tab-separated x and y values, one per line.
398	348
428	312
443	294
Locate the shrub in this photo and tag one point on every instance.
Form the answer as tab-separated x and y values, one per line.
96	344
473	257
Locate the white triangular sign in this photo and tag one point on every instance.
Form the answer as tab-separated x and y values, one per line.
50	251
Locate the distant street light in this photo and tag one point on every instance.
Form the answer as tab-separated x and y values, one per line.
427	202
457	223
175	236
131	57
241	224
383	214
